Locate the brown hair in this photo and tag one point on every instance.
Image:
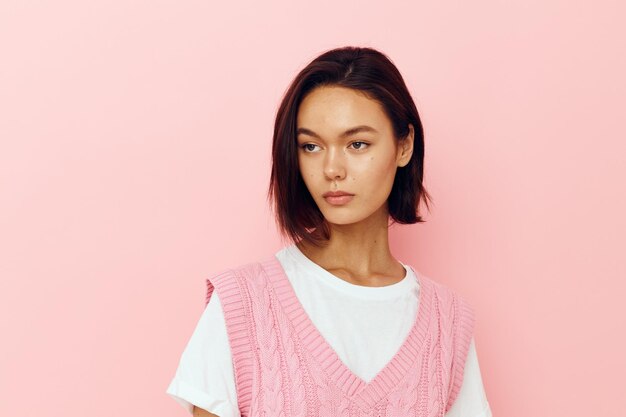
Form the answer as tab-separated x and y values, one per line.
373	73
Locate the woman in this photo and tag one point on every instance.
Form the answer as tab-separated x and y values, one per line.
332	324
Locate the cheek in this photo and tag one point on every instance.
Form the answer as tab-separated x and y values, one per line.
304	169
377	170
309	175
376	179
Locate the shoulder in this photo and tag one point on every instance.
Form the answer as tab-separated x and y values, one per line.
447	296
243	272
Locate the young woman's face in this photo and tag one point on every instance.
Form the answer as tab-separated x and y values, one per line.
362	162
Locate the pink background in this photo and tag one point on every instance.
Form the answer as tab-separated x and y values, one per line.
134	162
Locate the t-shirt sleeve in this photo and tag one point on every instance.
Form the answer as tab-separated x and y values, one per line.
471	400
205	376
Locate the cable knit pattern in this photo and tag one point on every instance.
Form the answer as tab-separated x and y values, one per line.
285	368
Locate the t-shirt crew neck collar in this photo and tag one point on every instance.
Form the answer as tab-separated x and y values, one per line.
400	288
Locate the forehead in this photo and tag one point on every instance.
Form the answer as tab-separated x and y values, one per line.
330	109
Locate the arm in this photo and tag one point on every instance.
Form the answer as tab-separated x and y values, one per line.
199	412
205	379
471	399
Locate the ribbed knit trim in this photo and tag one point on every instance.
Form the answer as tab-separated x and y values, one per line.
463	330
365	394
235	302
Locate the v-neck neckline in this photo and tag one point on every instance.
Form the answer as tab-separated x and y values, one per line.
365	394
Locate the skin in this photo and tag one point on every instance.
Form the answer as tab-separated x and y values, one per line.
200	412
363	164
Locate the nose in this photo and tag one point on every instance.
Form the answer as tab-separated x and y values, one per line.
334	164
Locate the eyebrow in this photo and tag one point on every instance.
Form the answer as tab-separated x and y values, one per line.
349	132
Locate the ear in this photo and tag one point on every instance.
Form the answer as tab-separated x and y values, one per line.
405	147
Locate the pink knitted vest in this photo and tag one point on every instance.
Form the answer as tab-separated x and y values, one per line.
284	367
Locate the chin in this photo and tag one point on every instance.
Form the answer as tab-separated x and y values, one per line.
347	218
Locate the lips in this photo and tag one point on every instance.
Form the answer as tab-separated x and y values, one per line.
338	198
335	194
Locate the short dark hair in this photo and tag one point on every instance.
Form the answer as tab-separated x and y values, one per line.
373	73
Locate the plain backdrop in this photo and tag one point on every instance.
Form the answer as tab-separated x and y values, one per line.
134	163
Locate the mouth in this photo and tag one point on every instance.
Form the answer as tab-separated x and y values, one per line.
337	193
338	200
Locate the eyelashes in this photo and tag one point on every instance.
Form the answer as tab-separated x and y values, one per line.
306	146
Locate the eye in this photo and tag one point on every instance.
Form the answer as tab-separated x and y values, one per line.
362	143
305	147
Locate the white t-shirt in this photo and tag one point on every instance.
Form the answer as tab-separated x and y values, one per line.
348	316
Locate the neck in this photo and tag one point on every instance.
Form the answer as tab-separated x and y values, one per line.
358	253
